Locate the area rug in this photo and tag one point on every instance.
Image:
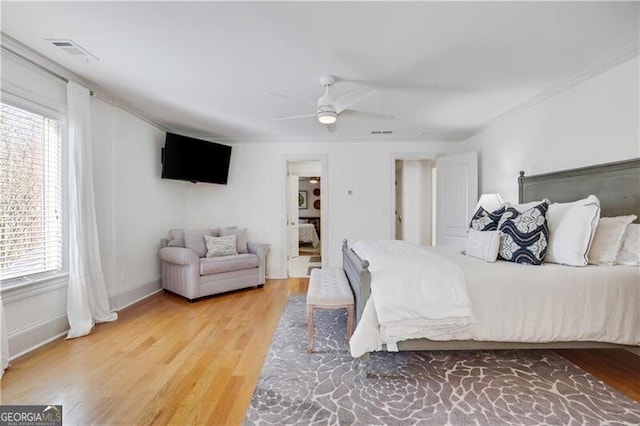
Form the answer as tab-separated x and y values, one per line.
424	388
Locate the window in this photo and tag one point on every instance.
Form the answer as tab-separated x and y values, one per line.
30	194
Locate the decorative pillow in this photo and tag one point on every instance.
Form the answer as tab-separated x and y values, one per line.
483	245
220	246
526	206
194	240
482	220
241	237
571	230
524	235
608	239
630	252
176	238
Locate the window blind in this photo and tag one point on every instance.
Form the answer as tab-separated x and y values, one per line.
30	193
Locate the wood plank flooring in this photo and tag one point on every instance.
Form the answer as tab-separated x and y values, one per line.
617	367
168	361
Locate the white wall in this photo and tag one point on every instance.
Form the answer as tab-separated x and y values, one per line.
254	196
135	208
594	122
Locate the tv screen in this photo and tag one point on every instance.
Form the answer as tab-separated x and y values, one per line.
195	160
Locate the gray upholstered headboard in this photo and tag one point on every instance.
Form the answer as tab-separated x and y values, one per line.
617	185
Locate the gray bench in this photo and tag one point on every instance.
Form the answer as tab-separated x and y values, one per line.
328	289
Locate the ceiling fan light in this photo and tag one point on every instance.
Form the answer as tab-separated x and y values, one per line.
327	117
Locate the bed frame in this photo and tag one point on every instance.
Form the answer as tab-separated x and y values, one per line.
617	185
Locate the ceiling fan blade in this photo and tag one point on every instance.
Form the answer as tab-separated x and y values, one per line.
300	101
293	117
352	113
349	99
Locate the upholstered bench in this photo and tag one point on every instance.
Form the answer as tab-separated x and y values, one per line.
328	289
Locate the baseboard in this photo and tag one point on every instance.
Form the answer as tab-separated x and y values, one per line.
35	335
129	296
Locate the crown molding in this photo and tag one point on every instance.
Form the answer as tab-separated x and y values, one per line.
319	139
28	54
599	67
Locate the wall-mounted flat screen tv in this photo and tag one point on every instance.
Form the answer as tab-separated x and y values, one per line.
195	160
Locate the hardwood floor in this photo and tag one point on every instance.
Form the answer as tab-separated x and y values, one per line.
617	367
167	361
164	361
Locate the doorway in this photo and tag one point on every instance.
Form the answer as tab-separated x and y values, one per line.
305	189
415	201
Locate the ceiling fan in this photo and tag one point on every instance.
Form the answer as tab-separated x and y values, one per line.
327	109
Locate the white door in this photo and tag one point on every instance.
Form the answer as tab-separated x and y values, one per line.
457	194
292	215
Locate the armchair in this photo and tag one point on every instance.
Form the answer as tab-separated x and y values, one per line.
187	272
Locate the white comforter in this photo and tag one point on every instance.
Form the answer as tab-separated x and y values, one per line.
523	303
415	293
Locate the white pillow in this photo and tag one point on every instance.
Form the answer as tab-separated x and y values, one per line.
483	245
608	239
630	252
221	246
571	230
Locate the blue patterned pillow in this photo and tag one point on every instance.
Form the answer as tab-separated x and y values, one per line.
524	236
482	220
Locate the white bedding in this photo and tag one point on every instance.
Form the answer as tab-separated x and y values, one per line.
522	303
307	234
415	292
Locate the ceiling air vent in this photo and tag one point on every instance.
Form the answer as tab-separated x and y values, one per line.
73	48
381	132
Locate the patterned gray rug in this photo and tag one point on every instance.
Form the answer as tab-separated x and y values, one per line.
459	388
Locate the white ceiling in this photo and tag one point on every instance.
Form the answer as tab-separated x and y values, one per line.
443	69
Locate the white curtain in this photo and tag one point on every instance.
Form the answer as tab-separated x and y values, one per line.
4	341
87	301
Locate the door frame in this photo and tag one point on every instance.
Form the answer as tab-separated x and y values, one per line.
324	204
392	181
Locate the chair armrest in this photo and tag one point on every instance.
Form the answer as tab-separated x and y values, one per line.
178	256
261	250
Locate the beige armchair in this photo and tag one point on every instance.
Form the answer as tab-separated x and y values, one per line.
187	271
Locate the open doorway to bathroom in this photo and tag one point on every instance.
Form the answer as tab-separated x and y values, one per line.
304	217
415	201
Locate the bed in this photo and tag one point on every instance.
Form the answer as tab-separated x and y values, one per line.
617	185
307	234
